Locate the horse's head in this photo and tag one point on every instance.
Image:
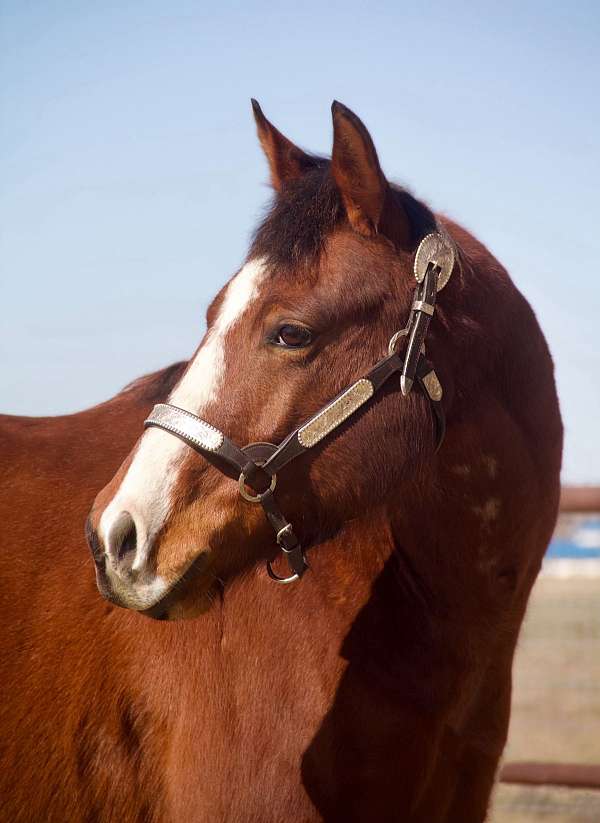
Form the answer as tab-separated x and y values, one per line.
327	281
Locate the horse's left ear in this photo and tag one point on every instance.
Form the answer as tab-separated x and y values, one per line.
286	161
367	196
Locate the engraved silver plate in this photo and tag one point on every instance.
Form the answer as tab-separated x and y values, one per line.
436	249
335	413
187	425
433	387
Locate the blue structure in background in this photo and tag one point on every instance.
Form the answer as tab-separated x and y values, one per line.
584	543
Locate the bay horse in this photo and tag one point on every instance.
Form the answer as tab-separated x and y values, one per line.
376	685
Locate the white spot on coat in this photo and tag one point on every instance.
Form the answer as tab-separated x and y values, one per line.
491	465
489	511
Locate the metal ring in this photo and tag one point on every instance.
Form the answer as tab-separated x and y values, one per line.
255	498
394	339
291	579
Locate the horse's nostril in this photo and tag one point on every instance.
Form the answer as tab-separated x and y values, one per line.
93	540
129	542
122	542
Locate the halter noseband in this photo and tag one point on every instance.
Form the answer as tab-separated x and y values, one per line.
257	464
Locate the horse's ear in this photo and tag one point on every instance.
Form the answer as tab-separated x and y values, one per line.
368	199
286	161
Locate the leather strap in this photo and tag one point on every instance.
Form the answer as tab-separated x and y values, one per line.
205	438
377	377
422	311
257	464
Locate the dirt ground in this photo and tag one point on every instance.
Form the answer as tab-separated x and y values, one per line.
556	702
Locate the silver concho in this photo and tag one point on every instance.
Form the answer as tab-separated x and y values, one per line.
185	424
434	248
334	414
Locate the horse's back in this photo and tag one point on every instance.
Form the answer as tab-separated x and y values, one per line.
66	751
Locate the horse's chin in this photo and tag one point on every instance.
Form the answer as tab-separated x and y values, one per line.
190	596
188	601
191	605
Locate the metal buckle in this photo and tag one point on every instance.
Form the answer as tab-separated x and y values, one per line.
421	305
395	337
255	498
282	533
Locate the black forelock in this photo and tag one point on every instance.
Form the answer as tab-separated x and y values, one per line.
301	216
306	211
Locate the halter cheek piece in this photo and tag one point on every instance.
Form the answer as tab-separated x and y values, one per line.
258	464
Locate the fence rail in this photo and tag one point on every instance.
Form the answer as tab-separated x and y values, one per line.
580	499
569	775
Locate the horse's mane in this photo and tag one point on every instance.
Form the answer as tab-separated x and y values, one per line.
293	231
156	386
306	210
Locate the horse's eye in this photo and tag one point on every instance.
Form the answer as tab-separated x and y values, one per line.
293	337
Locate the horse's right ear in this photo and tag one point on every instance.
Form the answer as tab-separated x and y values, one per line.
367	196
286	161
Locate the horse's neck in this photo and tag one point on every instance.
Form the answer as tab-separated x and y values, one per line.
352	615
352	573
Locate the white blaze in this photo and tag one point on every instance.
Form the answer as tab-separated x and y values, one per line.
146	490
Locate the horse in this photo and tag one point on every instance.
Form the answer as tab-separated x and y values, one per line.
398	403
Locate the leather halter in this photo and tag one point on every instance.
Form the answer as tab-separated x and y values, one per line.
258	464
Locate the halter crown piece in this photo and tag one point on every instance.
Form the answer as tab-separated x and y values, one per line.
257	464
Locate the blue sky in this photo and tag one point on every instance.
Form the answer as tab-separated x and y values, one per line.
132	178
